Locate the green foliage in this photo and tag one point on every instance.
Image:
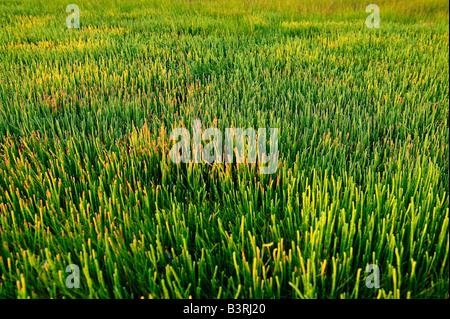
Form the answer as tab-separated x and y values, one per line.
85	177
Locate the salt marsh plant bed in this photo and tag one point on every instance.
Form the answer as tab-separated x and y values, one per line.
363	140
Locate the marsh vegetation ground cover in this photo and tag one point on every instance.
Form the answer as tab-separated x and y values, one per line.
85	177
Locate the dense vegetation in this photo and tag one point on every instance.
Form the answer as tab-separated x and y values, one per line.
85	177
